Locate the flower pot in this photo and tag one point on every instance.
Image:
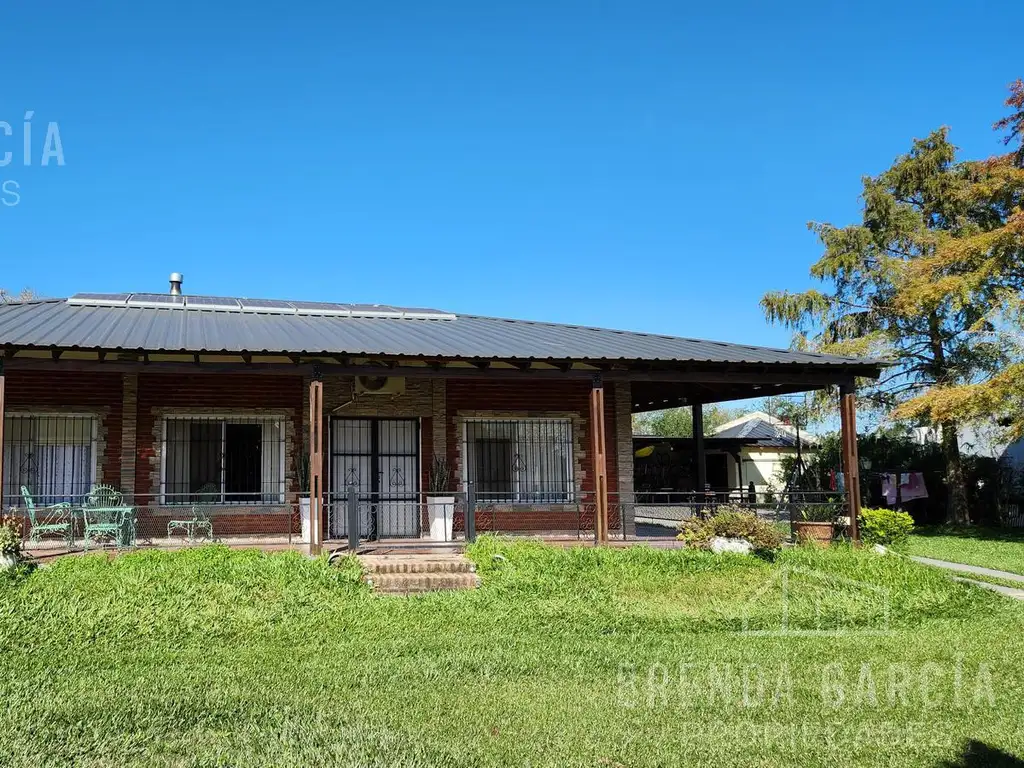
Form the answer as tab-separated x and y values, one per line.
8	560
304	518
440	516
817	533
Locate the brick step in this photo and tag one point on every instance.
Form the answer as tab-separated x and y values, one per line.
415	583
418	566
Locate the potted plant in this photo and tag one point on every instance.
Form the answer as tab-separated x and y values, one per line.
10	542
302	478
440	501
814	524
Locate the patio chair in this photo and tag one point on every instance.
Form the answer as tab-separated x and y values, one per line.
105	516
48	520
200	521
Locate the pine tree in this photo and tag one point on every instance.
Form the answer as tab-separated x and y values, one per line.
875	301
984	269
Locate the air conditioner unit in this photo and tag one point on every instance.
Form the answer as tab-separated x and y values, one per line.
380	385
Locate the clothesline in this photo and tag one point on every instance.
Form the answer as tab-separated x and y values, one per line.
911	485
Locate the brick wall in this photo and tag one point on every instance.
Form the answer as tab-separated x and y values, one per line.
129	450
479	398
164	394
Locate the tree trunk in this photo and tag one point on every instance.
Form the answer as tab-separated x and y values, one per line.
956	511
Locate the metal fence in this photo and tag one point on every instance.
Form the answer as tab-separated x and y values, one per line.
105	517
356	516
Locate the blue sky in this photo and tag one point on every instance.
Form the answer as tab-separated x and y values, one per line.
630	164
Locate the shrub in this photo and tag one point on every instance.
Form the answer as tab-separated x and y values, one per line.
731	523
885	526
10	535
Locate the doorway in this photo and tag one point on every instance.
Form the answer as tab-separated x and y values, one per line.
380	458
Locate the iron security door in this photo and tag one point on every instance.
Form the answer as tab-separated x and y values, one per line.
380	459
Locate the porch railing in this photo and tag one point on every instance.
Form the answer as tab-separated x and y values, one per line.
455	517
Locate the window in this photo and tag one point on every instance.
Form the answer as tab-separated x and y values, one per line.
230	459
53	455
520	460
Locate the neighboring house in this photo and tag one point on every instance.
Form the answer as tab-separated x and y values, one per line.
746	450
175	399
978	440
767	440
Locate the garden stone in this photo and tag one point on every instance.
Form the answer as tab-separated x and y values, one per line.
8	560
720	544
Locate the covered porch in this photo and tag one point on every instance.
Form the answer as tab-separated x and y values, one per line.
416	427
232	452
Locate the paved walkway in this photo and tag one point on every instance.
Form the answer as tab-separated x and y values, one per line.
1017	594
975	569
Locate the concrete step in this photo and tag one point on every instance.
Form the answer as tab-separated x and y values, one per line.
416	583
417	565
409	573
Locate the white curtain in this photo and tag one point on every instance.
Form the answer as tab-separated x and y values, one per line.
178	438
271	453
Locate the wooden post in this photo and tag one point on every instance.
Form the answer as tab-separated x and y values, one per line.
699	456
851	470
316	463
598	449
2	417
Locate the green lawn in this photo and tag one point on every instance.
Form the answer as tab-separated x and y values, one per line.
581	657
988	547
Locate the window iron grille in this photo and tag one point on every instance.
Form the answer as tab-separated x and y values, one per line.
525	461
226	459
52	455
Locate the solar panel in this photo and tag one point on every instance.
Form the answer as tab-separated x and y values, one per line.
228	304
321	308
267	305
212	302
100	299
155	300
373	310
422	313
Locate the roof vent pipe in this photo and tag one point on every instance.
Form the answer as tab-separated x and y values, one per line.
175	283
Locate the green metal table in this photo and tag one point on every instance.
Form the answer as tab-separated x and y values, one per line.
119	523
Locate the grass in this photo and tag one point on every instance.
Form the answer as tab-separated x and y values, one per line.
988	547
578	657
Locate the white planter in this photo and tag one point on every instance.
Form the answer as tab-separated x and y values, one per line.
8	560
304	517
440	515
721	544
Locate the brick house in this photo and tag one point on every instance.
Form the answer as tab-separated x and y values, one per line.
169	397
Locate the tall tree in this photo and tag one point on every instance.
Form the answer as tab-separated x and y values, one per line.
984	268
868	305
25	294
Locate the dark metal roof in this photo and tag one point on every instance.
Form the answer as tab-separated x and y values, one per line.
56	324
763	433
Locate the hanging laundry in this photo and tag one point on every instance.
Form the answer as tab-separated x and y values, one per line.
915	487
911	486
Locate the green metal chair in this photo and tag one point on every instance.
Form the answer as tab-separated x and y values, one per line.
105	516
48	520
200	521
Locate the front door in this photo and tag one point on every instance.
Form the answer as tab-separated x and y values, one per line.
380	459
